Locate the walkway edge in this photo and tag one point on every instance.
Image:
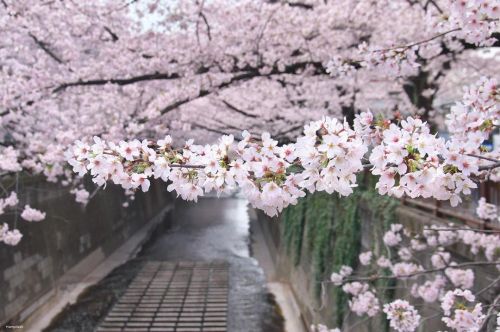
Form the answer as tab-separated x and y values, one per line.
283	293
40	315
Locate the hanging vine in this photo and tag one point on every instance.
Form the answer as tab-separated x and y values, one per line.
327	229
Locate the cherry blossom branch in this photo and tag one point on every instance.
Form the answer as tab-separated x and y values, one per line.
489	313
44	47
493	283
419	42
187	166
489	167
234	108
435	5
418	273
119	81
461	229
483	157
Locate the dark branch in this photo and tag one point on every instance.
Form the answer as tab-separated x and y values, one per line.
300	5
114	37
44	47
237	110
204	93
119	81
212	130
284	133
206	23
295	69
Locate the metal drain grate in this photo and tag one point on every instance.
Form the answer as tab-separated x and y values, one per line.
173	297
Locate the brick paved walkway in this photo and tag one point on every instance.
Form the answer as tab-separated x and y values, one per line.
173	297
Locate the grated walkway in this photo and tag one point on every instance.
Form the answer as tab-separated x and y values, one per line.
173	297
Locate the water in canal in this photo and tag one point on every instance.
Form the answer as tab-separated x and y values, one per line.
212	229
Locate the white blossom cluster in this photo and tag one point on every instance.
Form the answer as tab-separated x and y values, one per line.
9	237
30	214
408	159
10	201
459	312
9	160
486	210
12	237
328	157
402	316
439	278
470	121
364	300
472	22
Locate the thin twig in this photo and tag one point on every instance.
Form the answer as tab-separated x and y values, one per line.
488	287
489	314
377	277
96	190
187	166
419	42
483	157
461	229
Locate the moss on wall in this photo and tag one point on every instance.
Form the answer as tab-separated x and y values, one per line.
326	229
294	220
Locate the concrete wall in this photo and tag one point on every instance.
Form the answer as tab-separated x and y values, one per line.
321	311
71	234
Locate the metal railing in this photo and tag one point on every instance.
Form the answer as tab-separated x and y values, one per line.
466	212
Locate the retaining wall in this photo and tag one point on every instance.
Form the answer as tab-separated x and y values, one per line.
71	237
322	310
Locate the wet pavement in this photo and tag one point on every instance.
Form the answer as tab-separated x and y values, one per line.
210	230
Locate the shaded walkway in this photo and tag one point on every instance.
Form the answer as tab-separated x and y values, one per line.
210	230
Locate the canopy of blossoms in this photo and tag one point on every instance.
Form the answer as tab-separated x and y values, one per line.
408	159
301	96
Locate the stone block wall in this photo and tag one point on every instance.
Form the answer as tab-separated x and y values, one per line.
71	233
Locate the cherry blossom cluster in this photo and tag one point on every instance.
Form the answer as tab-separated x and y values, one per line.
472	22
472	120
9	160
9	237
30	214
364	300
402	316
81	195
460	312
438	279
486	210
328	157
330	153
408	159
400	61
393	62
10	202
12	237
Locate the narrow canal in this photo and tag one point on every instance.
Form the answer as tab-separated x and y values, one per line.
212	229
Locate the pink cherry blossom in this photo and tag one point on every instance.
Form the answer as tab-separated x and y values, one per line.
30	214
402	316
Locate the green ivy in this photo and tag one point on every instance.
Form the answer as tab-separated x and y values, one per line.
347	245
294	220
327	230
320	212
